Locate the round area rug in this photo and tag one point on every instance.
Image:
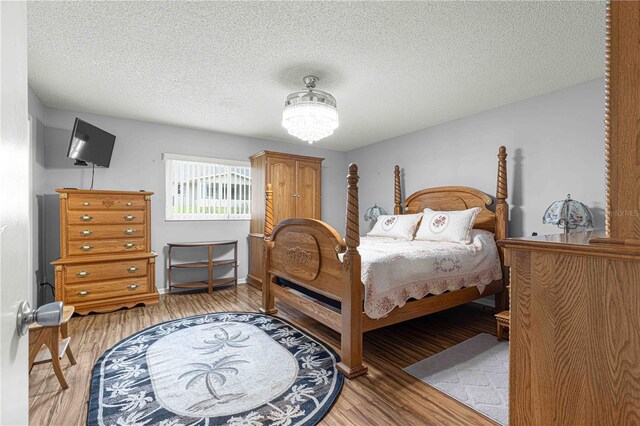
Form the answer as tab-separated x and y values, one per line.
237	369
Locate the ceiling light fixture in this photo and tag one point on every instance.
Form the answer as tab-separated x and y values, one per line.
310	114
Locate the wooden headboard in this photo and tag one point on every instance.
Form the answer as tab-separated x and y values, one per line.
449	198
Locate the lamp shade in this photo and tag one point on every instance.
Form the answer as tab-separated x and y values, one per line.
310	114
568	214
374	212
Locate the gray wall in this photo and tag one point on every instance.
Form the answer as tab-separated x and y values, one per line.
37	111
555	144
137	164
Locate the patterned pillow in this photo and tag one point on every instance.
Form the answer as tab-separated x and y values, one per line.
452	226
402	227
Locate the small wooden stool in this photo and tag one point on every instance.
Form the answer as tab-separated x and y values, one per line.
502	320
56	339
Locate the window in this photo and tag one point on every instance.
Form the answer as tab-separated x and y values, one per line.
200	188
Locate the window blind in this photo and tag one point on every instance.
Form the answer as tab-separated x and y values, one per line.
201	188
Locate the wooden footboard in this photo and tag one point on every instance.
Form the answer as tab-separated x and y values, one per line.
307	252
313	255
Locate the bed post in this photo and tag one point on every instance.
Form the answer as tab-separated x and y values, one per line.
397	195
268	304
502	208
351	313
502	220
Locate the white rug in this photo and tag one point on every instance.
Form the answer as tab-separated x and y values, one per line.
474	372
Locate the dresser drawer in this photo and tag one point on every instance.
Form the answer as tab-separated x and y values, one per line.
106	202
88	247
97	232
105	217
92	272
80	293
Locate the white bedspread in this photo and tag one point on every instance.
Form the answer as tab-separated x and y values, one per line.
394	271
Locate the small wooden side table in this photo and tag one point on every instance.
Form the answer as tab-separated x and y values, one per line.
211	282
502	320
55	340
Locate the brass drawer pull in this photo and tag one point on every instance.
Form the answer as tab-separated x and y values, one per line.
132	287
86	204
86	247
129	231
132	269
82	274
129	245
129	217
129	203
86	233
86	218
83	293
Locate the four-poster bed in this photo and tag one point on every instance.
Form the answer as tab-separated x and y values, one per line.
313	255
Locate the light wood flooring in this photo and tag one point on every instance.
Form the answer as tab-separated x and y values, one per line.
386	396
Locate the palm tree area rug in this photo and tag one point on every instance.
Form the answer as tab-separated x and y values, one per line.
236	369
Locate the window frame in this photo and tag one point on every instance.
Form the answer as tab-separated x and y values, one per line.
170	216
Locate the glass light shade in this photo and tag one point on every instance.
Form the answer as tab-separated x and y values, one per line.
310	121
310	114
568	214
372	213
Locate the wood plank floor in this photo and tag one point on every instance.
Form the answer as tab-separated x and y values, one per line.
386	396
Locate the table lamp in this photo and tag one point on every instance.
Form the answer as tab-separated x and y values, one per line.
568	214
372	213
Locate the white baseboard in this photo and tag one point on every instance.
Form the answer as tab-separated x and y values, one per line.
165	290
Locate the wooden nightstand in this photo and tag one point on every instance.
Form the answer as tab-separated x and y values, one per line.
502	320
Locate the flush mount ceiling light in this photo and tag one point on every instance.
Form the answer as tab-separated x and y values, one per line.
310	114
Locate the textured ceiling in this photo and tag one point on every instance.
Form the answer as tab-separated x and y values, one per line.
394	67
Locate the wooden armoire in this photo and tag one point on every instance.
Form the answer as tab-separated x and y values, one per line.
297	192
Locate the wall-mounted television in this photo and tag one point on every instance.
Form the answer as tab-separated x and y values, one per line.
90	144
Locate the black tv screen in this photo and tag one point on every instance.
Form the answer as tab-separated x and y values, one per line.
90	144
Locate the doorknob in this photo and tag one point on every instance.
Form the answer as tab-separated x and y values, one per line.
47	315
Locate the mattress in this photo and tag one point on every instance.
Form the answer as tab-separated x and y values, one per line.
396	271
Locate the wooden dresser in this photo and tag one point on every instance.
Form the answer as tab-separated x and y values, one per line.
106	261
574	331
297	192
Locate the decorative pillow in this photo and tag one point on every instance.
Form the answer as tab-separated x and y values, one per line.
400	226
452	226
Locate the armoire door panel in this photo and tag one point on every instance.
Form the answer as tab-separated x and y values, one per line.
282	178
308	189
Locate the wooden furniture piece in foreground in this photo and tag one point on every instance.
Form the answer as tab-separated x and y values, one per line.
49	344
106	262
502	323
574	335
305	252
297	192
210	264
